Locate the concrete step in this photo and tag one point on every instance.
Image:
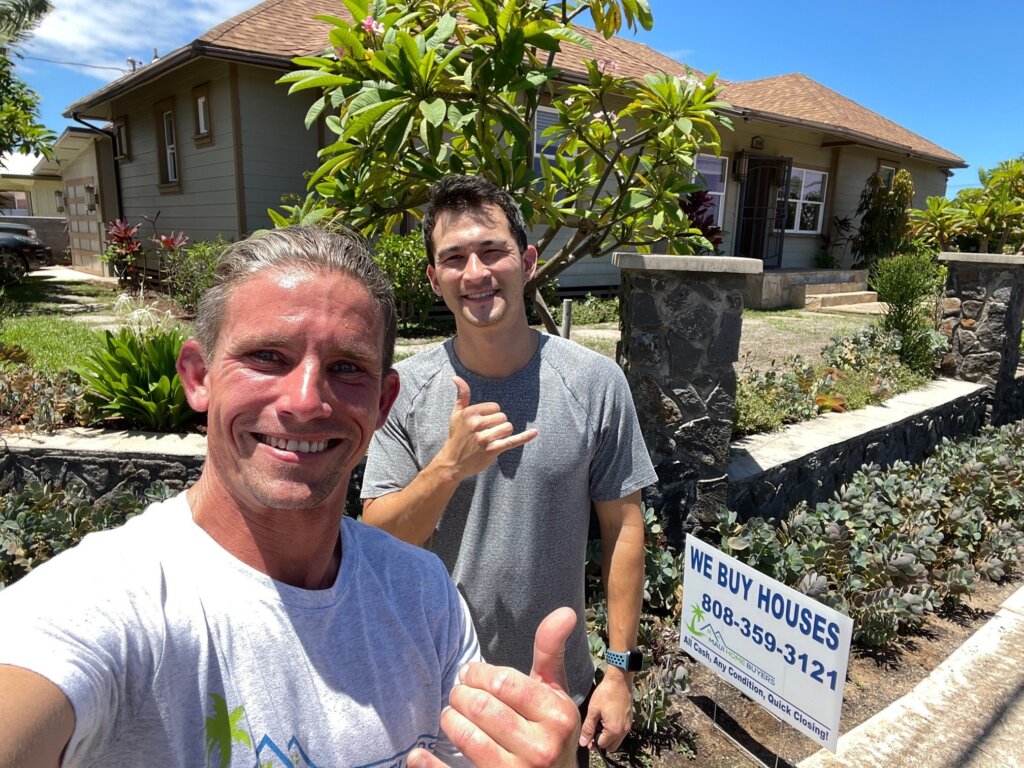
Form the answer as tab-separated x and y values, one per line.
850	287
823	300
812	278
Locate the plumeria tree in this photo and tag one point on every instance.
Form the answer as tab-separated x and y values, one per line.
415	89
20	127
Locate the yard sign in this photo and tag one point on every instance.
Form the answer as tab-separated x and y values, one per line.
784	650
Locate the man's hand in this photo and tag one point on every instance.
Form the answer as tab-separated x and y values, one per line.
500	718
477	434
610	712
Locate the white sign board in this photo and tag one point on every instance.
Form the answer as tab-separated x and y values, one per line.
784	650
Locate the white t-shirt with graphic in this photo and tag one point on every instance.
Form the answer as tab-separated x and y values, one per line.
174	653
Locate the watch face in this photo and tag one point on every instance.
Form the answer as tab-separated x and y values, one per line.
634	661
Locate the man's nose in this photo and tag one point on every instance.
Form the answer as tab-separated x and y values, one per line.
305	394
475	267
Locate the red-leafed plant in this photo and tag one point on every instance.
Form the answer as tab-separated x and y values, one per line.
123	251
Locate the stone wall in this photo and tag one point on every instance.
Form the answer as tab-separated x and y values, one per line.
106	463
681	323
770	474
982	313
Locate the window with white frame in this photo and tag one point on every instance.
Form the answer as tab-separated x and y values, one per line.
806	202
545	118
202	126
887	173
120	130
711	171
167	146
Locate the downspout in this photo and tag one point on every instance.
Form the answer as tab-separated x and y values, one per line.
113	151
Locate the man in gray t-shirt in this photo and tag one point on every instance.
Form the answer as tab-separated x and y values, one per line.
499	444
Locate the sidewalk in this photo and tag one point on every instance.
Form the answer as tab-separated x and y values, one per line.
968	713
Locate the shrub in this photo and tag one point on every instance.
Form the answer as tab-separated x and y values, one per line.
906	282
589	311
894	545
41	521
133	377
41	400
403	258
190	271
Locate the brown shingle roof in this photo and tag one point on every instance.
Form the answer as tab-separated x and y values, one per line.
275	31
798	97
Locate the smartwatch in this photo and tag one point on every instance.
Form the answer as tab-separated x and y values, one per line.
628	661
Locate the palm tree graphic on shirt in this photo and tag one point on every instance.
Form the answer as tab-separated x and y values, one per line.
223	731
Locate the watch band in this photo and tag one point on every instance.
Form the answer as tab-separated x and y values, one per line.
629	661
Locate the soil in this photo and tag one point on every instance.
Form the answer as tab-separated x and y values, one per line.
874	680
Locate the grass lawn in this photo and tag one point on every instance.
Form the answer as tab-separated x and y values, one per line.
33	296
55	343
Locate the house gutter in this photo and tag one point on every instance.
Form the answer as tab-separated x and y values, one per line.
113	152
860	138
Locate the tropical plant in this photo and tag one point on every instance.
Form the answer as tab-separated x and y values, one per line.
190	270
403	259
413	91
20	126
938	224
124	252
905	283
882	230
133	377
699	208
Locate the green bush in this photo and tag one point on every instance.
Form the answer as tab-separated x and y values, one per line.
41	521
190	271
589	311
892	546
403	258
133	377
908	283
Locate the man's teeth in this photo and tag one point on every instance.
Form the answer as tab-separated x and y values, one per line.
484	295
296	446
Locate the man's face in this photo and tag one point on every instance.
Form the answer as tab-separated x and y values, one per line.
294	390
478	269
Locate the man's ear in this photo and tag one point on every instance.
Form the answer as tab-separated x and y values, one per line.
192	370
529	263
432	277
389	387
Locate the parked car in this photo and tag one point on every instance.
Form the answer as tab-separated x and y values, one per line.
20	252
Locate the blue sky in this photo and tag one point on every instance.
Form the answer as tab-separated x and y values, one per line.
950	71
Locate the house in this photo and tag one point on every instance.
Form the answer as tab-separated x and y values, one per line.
30	194
204	137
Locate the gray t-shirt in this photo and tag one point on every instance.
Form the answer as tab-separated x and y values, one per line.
174	653
514	537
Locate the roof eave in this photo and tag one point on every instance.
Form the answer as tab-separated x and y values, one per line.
947	161
194	50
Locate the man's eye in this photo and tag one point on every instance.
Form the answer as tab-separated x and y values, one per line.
265	356
347	368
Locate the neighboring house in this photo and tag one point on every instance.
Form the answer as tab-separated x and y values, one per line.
204	137
32	198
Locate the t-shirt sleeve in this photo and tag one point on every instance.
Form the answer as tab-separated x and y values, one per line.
621	463
56	626
463	649
391	461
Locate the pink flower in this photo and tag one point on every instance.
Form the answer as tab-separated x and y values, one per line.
373	26
173	241
607	66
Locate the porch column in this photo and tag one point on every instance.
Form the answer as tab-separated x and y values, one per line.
982	317
681	323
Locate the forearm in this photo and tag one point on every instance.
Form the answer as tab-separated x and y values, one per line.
622	566
36	720
412	513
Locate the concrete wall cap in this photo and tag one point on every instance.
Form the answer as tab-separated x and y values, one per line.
667	263
995	259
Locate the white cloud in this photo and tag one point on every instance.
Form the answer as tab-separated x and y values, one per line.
17	163
679	54
107	33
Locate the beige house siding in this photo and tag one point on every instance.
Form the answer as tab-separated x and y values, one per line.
205	206
85	228
276	147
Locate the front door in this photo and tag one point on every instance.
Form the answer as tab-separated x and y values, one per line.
761	224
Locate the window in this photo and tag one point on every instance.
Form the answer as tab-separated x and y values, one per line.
167	146
711	171
545	118
120	131
806	200
14	203
202	127
887	174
